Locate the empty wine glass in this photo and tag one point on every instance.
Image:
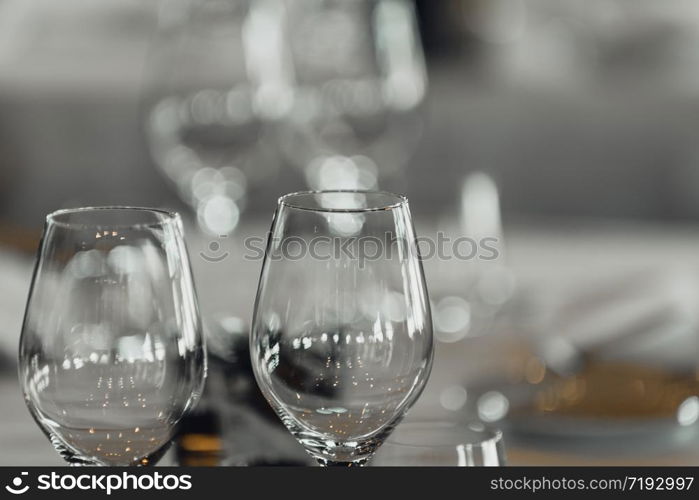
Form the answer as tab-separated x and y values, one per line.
214	82
442	443
359	77
341	343
111	354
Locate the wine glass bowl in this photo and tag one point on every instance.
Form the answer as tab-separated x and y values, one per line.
359	79
111	352
342	335
214	82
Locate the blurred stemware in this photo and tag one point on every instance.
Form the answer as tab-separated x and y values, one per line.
215	79
359	77
111	353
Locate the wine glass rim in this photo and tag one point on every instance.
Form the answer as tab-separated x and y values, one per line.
398	200
168	216
491	435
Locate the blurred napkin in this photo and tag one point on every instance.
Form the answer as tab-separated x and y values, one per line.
643	317
16	273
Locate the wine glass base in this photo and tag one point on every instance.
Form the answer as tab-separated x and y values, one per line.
77	460
329	463
330	453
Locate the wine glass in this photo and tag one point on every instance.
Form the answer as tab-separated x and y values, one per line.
341	342
214	81
442	443
111	354
359	78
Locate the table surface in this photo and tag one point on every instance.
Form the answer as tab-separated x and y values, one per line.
546	259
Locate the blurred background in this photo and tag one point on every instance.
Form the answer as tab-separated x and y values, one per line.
567	130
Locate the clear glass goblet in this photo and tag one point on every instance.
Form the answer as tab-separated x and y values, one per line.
214	83
358	77
341	343
111	354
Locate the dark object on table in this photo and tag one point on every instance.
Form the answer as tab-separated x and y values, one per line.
234	424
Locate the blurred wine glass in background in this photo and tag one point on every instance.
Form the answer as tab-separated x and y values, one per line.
359	78
214	79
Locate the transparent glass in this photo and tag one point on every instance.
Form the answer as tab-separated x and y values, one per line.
341	342
214	81
111	354
447	444
358	78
